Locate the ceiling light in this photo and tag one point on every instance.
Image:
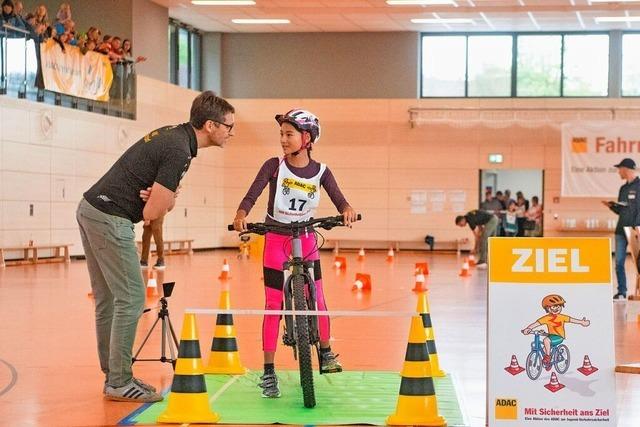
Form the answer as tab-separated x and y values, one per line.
223	2
261	21
420	2
443	21
601	19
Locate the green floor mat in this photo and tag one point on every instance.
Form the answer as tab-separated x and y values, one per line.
345	398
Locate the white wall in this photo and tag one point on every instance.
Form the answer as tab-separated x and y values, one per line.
51	170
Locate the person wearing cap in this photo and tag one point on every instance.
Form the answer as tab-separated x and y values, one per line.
294	194
628	210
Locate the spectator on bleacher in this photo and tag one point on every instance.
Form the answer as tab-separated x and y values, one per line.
41	15
491	204
534	214
9	16
18	8
521	210
64	13
500	197
128	53
115	54
526	202
507	198
510	220
105	46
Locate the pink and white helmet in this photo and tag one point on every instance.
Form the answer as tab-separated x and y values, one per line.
302	120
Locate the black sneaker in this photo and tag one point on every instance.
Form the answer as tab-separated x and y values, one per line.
329	363
269	386
159	264
144	265
619	297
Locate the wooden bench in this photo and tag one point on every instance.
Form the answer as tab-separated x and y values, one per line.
33	254
172	247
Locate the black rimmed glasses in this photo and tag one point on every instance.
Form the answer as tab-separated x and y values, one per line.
229	127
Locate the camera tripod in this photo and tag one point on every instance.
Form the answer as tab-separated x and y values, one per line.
168	334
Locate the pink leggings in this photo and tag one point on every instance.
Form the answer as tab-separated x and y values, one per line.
277	249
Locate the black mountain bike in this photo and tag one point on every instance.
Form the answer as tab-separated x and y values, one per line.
300	331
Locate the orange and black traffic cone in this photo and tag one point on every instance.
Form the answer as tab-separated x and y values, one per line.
390	255
464	272
587	369
423	310
422	267
361	254
225	273
224	357
514	368
188	400
362	282
417	403
340	263
554	385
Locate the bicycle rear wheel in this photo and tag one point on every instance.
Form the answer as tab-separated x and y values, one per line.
302	343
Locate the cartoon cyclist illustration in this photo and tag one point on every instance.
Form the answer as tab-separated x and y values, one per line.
554	321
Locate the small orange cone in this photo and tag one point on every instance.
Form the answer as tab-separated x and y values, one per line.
464	272
422	267
340	263
472	261
361	254
420	283
514	368
587	369
554	385
225	274
390	255
362	282
152	284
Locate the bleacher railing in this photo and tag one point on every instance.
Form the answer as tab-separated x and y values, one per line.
21	77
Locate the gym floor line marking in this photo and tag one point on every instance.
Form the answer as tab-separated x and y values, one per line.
226	385
14	377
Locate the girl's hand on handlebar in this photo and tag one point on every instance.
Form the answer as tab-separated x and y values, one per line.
240	222
526	331
349	215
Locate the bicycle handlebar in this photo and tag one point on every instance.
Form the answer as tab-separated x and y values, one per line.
326	222
536	332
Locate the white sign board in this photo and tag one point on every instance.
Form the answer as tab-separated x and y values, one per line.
550	350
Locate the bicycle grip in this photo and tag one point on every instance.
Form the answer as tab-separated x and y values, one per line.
230	227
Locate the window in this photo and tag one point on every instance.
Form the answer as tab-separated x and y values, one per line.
444	77
539	65
185	56
630	65
586	65
490	65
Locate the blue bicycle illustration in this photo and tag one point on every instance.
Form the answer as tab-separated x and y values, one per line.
560	357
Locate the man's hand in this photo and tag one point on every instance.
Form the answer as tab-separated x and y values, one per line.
607	203
349	215
145	194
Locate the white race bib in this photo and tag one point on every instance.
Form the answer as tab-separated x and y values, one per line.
296	198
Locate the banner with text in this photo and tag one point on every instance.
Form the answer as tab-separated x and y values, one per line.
550	341
72	73
589	151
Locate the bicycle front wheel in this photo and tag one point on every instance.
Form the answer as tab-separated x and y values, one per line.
303	344
534	365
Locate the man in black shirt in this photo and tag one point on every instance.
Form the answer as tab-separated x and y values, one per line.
141	185
628	210
483	225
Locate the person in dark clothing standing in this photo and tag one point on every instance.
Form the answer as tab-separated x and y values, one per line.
483	225
142	184
628	210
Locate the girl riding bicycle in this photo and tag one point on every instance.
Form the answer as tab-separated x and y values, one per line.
294	183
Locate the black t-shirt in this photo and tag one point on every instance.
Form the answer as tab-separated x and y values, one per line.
162	156
476	217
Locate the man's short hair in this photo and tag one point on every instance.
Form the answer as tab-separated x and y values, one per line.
208	106
459	218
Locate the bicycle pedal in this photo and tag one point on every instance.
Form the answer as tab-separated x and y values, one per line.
330	371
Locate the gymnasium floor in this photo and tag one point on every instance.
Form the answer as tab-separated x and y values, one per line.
49	372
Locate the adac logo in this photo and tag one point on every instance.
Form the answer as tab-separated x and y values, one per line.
506	408
579	144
